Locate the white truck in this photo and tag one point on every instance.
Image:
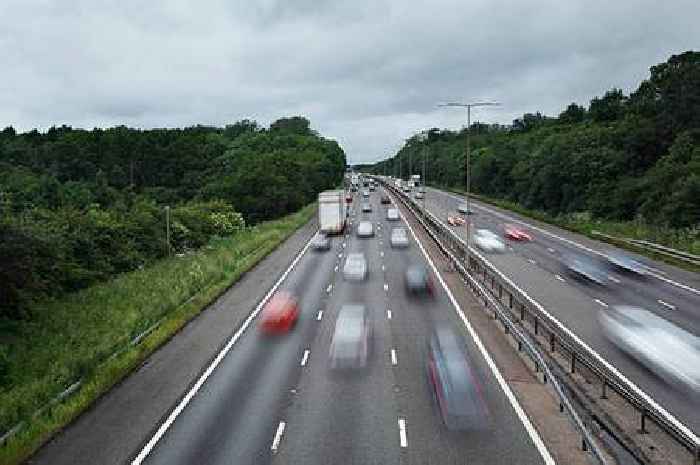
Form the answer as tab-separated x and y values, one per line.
332	211
414	181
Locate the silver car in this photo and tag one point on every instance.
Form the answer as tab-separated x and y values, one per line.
399	237
351	343
488	241
320	242
365	229
463	209
366	207
392	214
365	194
355	268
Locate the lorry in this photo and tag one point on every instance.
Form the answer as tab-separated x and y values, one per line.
332	211
414	181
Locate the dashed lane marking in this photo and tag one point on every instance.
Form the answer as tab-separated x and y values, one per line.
600	302
559	278
666	304
394	360
278	436
403	440
320	315
388	314
305	358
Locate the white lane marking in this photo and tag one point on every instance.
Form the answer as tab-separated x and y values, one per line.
278	436
394	361
305	358
215	363
522	416
320	315
613	279
388	314
550	250
402	432
559	278
600	302
381	254
532	261
340	255
329	289
576	244
386	287
383	268
336	268
343	244
666	304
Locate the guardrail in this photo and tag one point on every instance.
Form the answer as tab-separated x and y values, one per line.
656	248
527	310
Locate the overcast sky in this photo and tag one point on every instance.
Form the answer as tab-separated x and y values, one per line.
368	73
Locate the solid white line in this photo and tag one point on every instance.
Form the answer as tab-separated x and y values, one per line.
402	433
394	361
305	358
386	287
600	302
388	314
614	279
212	366
559	278
532	432
278	436
666	304
320	315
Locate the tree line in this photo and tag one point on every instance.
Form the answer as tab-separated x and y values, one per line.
79	206
623	157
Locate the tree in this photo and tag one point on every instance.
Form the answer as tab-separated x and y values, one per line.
296	125
573	114
610	107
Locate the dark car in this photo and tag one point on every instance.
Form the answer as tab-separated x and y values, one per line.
418	280
350	346
463	209
280	313
385	199
457	390
585	268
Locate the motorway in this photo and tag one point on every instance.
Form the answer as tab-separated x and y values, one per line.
275	400
535	267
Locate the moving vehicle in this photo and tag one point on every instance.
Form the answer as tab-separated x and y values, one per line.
418	280
455	384
464	209
583	267
454	220
516	233
385	199
280	313
399	237
488	241
392	214
332	211
365	229
350	346
348	198
669	351
627	264
321	242
366	207
365	193
355	268
420	195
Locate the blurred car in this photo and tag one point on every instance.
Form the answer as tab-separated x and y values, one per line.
355	268
321	242
353	188
365	194
350	346
371	187
454	220
280	313
420	195
627	264
418	280
516	233
399	237
582	267
464	209
488	241
671	352
385	199
365	229
348	198
392	214
455	385
366	207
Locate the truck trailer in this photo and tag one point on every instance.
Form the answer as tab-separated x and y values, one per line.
332	211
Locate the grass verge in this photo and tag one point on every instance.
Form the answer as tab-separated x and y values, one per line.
686	240
77	337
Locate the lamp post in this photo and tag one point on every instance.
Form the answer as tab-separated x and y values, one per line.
423	138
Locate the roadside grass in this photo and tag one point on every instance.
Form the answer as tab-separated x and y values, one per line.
687	240
77	337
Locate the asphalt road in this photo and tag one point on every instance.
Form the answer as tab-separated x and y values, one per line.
275	400
536	267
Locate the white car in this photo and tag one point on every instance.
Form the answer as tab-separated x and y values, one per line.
366	207
392	214
488	241
365	194
399	237
365	229
355	268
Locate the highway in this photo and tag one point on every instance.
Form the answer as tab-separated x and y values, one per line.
535	267
274	399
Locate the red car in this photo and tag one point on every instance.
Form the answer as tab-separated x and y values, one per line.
456	221
515	233
348	198
280	314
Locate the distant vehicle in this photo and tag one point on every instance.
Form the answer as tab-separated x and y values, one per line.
420	195
463	209
418	280
399	237
455	384
488	241
321	242
586	268
407	188
392	214
355	268
371	187
332	211
385	199
627	264
421	189
669	351
454	220
351	343
348	198
516	233
280	313
365	193
366	207
414	180
365	229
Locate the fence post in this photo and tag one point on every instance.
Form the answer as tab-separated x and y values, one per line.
643	422
537	320
551	342
604	391
573	362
